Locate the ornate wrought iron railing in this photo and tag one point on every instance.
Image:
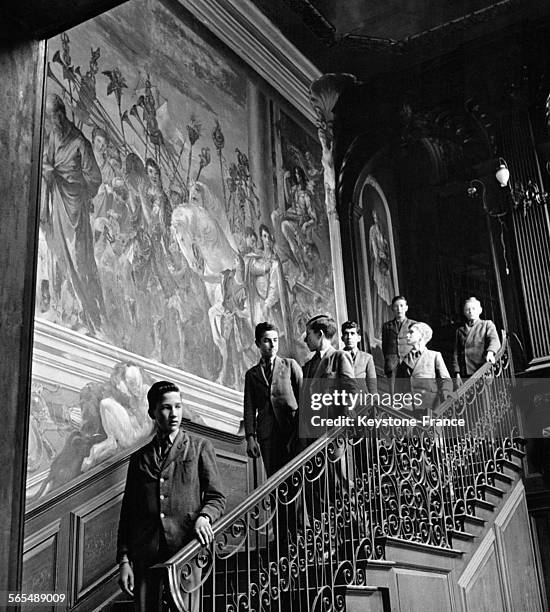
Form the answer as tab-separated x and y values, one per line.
310	530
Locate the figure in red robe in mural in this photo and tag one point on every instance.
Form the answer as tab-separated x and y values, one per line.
72	179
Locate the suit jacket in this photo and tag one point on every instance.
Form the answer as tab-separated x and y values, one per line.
333	372
189	483
263	403
429	377
394	343
364	370
472	344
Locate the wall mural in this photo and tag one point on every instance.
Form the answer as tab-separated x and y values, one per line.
153	238
380	265
301	230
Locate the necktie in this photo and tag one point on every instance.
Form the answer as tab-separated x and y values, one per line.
267	367
315	362
164	447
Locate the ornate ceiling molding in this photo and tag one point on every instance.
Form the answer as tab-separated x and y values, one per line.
326	32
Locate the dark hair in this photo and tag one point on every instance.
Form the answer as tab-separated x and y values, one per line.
261	328
324	323
98	131
263	227
155	393
397	298
151	163
302	179
56	103
350	325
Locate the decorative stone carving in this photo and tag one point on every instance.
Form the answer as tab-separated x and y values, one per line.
324	94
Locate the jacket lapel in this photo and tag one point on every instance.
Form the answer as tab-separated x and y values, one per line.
471	331
259	374
277	365
323	363
181	444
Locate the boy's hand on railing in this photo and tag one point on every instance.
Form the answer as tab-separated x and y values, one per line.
490	357
458	381
252	447
203	529
126	578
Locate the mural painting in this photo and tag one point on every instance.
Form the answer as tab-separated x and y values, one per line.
381	268
153	238
301	231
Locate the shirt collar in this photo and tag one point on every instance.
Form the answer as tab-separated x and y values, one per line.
172	436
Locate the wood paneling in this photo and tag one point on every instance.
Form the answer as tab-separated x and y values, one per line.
95	528
234	474
481	583
423	591
517	557
71	538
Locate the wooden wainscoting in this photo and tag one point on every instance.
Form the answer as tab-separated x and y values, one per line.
70	539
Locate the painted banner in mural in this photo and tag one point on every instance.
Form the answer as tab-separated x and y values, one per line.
153	237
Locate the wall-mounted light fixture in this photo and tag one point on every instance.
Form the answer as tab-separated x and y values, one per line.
521	196
502	174
476	189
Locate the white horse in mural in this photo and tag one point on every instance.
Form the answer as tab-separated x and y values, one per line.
201	229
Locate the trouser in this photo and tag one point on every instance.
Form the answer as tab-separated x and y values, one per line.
148	589
275	455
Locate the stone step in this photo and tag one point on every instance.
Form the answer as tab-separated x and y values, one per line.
472	524
462	536
516	452
491	493
511	468
500	477
483	509
464	541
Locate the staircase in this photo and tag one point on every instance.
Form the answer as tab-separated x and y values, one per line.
359	520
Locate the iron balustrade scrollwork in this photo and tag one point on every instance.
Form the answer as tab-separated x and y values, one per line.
312	529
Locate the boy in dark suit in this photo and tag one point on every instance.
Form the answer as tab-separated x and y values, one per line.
271	393
173	494
476	341
363	363
394	337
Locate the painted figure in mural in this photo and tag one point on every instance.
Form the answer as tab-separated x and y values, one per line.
123	415
230	322
265	283
83	423
103	201
380	253
160	210
299	219
72	178
203	234
186	321
174	477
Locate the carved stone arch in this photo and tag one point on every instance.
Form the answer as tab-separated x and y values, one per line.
439	148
